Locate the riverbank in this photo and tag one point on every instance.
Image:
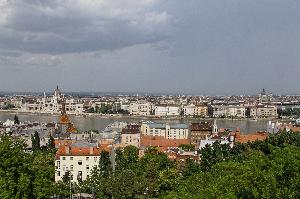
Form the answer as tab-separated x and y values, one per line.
120	116
99	122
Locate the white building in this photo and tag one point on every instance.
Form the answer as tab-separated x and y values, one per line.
189	110
142	108
79	159
166	110
53	104
168	131
210	142
229	111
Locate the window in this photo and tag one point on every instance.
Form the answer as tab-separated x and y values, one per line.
79	176
71	158
64	158
87	158
58	173
87	167
79	162
58	164
71	167
95	159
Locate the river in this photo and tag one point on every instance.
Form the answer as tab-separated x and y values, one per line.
99	123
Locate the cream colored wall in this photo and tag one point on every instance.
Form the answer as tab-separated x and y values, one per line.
65	165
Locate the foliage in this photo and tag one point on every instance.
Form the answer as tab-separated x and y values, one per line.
24	175
187	147
16	120
260	169
35	140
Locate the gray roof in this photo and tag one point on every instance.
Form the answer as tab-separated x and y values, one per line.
179	126
84	144
157	125
172	126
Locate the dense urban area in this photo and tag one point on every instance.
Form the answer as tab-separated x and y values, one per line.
150	159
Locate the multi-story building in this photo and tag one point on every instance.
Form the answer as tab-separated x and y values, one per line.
189	110
201	131
167	110
78	158
142	108
131	135
53	104
168	131
201	110
262	111
229	111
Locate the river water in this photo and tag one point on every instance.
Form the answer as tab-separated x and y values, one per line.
99	123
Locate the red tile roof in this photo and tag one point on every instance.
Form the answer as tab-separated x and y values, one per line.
161	142
250	137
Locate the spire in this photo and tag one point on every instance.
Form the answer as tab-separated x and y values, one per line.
63	108
215	127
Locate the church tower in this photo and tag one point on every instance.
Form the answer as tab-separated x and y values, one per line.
215	128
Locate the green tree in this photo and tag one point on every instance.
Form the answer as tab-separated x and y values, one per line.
105	167
16	119
120	160
51	144
43	169
35	140
126	184
15	169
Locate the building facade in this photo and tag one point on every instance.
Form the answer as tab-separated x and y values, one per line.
168	131
79	159
142	108
131	135
262	111
167	110
200	131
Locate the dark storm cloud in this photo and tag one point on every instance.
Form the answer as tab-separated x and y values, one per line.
79	26
193	46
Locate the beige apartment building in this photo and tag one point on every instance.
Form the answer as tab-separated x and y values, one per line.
168	131
262	111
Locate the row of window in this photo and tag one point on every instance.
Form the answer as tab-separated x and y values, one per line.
86	158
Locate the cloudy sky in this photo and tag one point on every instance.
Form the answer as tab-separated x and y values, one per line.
190	46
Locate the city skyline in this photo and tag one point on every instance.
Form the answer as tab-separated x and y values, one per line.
150	46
